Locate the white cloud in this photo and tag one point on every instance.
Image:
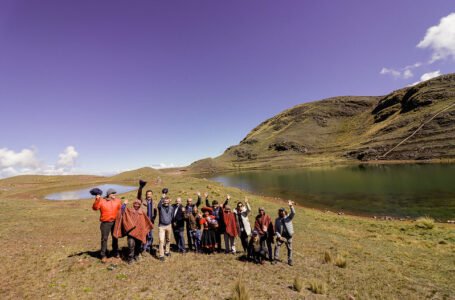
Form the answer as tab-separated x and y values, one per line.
165	165
440	39
26	158
404	73
26	162
427	76
68	157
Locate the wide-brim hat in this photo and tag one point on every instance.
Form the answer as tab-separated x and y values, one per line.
96	192
209	209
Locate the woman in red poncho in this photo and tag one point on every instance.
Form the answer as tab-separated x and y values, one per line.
209	225
231	231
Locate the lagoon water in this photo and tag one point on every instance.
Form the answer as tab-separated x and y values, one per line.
85	193
371	190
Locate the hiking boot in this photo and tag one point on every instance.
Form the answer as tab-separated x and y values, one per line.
162	258
104	259
290	263
167	254
274	262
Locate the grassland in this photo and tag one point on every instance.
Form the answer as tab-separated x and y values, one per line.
48	250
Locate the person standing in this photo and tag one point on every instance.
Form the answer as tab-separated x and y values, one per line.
109	208
243	224
230	232
136	225
190	206
166	215
264	227
178	225
217	214
209	224
193	223
151	212
284	230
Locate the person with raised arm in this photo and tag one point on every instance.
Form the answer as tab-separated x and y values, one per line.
151	212
190	206
109	207
230	224
166	215
284	230
243	224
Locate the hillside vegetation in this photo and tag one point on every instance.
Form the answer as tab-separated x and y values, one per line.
49	250
351	129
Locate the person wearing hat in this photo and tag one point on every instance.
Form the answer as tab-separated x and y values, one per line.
151	212
284	230
217	213
256	252
166	216
264	226
230	232
109	208
209	225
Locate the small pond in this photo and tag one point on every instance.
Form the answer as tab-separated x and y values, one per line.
85	192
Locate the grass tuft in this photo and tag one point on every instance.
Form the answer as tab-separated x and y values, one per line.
425	223
298	284
317	286
240	292
340	261
327	257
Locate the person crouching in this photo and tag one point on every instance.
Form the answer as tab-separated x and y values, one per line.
256	252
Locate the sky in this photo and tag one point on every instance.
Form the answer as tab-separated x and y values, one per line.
105	86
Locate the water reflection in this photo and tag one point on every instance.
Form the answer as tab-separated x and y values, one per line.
396	190
84	193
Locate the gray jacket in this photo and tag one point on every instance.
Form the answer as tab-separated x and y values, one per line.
287	220
166	213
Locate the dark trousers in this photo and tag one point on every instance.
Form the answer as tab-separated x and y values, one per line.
218	239
266	243
189	237
244	240
134	247
179	235
106	228
148	245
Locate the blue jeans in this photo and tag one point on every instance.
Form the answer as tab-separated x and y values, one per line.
196	236
148	245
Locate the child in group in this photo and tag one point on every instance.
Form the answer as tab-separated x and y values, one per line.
256	252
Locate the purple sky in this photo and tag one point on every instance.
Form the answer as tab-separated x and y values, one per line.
139	83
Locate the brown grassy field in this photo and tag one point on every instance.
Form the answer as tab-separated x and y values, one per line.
48	250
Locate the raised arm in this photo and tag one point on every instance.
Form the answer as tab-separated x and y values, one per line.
139	191
199	200
248	207
207	199
97	204
226	202
291	206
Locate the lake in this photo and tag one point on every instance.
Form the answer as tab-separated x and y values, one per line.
371	190
85	193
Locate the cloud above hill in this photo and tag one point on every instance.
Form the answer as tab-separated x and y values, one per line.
440	39
26	161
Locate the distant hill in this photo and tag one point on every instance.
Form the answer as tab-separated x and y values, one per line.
351	128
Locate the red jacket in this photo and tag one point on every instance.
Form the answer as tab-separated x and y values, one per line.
108	208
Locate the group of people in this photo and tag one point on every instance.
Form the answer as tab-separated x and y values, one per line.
205	227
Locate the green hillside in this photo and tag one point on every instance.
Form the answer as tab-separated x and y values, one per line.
352	129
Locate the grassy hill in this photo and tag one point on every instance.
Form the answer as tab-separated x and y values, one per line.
351	129
48	250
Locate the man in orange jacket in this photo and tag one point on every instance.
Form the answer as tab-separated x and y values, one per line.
109	207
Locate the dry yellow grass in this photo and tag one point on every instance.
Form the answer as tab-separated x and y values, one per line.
47	251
